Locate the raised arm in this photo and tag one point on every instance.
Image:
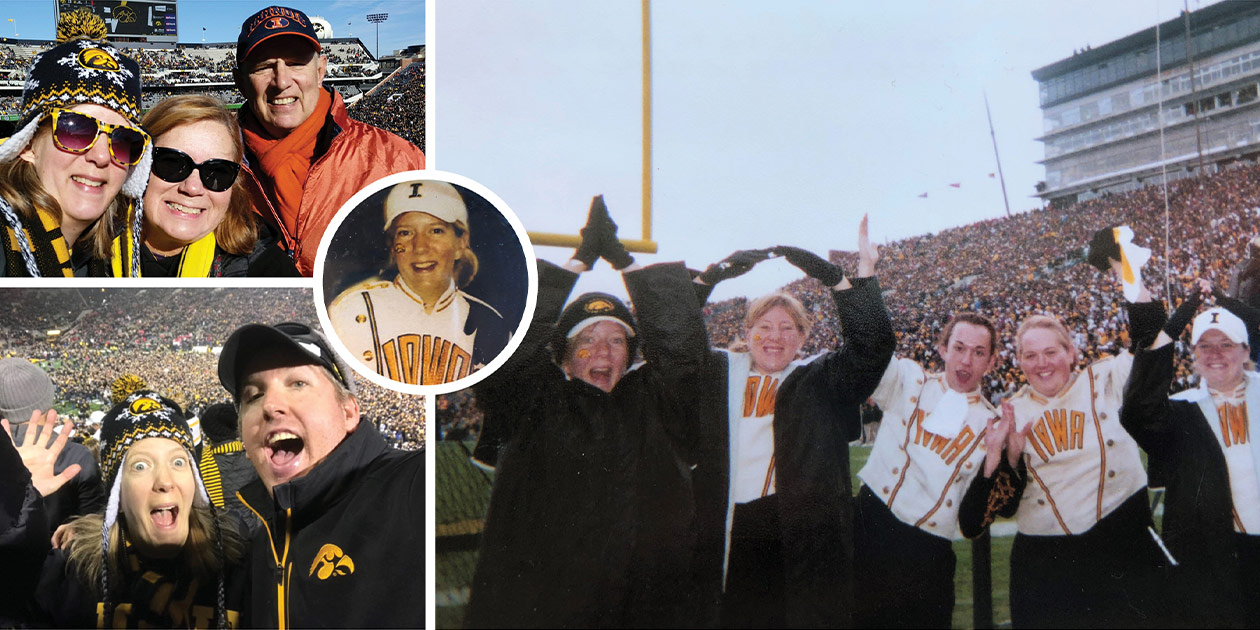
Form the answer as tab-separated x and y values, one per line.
501	392
1144	412
868	342
733	266
26	477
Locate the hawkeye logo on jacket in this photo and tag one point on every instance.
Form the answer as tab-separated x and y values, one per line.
331	561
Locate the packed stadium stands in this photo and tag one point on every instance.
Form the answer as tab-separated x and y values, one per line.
1008	268
393	101
164	336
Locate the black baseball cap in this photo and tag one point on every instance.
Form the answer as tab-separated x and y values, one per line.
271	22
250	340
590	308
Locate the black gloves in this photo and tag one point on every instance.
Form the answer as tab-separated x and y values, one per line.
588	251
1103	249
599	238
735	265
812	264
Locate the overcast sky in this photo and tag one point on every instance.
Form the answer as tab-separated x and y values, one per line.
773	122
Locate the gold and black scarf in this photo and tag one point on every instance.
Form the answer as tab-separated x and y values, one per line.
34	250
157	594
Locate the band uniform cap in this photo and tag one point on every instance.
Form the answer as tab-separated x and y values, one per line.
1219	319
1103	249
436	198
271	22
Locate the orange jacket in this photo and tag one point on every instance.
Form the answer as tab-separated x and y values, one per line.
349	156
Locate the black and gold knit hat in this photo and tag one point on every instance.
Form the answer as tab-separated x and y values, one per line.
81	69
142	414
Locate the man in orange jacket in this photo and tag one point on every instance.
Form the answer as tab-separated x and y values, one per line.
303	150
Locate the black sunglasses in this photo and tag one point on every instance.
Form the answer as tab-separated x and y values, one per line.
173	165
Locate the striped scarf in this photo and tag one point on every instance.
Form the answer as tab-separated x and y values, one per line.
210	474
34	250
161	594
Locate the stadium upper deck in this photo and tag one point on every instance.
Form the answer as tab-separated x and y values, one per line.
1103	107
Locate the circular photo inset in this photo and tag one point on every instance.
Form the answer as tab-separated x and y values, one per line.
425	280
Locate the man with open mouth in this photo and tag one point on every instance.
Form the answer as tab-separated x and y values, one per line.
301	146
338	511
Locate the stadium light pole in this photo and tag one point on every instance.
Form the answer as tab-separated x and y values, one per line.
377	18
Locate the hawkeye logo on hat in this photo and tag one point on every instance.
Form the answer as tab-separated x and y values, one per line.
98	59
144	405
275	23
599	306
331	561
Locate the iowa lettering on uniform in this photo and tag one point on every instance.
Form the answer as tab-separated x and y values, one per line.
424	360
1058	430
759	395
947	449
1233	423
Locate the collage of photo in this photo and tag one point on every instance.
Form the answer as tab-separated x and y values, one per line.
637	313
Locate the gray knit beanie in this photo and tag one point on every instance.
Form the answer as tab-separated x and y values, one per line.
24	387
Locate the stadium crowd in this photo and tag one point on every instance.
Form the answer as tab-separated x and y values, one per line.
164	337
1011	267
397	104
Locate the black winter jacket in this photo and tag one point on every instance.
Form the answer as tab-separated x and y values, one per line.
816	415
343	545
1198	525
591	520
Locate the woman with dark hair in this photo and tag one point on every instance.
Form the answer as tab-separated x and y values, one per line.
66	192
159	556
200	221
382	322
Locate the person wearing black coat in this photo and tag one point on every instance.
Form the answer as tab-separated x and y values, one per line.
779	552
591	519
1200	442
25	388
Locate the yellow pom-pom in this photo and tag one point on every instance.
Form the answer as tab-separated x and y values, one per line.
80	24
125	386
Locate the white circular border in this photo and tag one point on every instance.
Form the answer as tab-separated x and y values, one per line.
531	268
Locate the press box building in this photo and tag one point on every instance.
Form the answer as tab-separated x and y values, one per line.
1101	107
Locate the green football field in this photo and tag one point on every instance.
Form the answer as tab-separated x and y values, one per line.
463	491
